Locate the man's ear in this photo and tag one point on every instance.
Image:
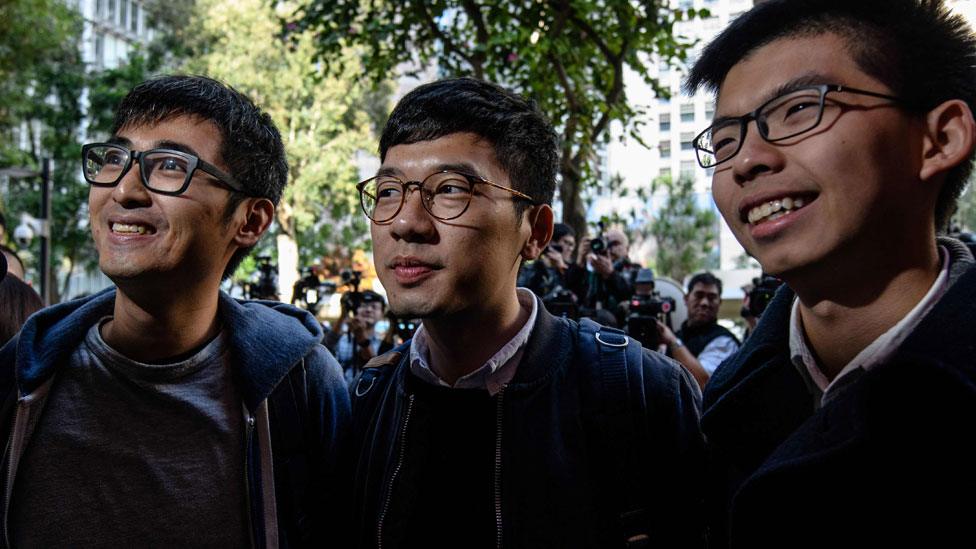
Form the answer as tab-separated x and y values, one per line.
258	212
949	138
541	231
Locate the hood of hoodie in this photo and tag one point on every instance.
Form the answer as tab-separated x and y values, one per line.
266	339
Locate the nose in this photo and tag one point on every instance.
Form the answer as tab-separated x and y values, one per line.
756	157
413	223
130	192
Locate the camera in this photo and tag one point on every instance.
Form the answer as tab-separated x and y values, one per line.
598	245
762	292
561	302
555	248
404	328
309	292
351	277
646	308
266	286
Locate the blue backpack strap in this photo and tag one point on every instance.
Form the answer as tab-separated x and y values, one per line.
614	396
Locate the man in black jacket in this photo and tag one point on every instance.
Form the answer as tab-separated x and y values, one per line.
477	433
701	344
843	135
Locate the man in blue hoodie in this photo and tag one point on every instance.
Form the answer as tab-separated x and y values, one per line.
162	411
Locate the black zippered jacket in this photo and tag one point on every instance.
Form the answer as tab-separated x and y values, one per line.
547	474
888	462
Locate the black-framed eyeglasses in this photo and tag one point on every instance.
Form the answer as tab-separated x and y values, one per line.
445	195
163	171
778	119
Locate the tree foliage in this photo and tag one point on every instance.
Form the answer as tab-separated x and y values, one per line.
685	232
42	115
568	55
324	119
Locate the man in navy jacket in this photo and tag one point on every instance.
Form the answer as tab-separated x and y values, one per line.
163	412
487	429
843	135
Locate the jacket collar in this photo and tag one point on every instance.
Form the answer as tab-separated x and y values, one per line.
266	340
550	346
758	399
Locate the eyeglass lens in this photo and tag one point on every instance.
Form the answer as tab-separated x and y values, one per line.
781	118
161	171
445	195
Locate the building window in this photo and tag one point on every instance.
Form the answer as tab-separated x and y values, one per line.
665	148
664	172
686	139
663	100
111	11
665	123
709	110
688	112
688	168
123	13
134	18
99	49
100	8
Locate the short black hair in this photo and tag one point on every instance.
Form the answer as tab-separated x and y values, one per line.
560	230
524	141
705	279
925	54
251	146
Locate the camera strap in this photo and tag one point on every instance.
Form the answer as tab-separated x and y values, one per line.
613	393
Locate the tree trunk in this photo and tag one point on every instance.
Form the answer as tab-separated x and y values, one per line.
287	252
287	266
574	214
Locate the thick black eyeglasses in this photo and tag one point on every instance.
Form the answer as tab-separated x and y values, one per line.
163	171
445	195
778	119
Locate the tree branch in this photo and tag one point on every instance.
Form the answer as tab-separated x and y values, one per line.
449	46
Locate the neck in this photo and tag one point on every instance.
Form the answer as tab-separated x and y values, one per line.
153	327
858	305
461	343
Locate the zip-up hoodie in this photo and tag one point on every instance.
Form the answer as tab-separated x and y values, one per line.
295	407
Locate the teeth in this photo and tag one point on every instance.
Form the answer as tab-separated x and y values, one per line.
774	209
131	229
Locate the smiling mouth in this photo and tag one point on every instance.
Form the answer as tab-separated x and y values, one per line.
775	209
132	229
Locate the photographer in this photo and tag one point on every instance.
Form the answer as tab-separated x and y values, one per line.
701	344
548	273
353	338
603	276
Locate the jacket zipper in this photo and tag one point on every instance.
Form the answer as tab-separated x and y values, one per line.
13	455
396	472
248	439
497	477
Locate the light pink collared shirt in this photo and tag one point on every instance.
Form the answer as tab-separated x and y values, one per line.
878	352
494	374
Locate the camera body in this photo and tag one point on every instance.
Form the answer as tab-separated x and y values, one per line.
561	302
404	328
645	311
309	291
599	245
266	286
762	292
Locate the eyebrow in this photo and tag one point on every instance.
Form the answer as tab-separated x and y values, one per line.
812	78
164	144
463	167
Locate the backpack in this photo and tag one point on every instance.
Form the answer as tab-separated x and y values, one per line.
613	400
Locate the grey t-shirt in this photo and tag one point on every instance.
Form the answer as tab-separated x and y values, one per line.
133	454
